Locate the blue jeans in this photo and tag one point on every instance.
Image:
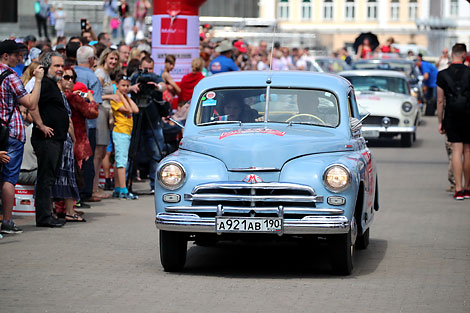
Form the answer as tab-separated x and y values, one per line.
11	170
150	147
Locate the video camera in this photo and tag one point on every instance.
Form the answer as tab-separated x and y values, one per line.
148	94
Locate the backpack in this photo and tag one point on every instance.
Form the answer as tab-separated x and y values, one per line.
4	129
458	100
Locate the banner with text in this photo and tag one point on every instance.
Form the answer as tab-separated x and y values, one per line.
178	36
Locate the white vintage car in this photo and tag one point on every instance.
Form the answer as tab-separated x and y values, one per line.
386	96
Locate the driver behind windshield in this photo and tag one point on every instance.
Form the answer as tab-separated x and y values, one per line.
235	109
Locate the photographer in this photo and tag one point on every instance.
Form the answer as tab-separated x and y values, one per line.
147	88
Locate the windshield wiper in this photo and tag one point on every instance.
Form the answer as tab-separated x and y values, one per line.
221	122
303	123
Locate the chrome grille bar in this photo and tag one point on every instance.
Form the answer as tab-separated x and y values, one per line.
266	186
246	210
270	198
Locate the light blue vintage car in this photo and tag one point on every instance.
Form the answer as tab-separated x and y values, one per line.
268	154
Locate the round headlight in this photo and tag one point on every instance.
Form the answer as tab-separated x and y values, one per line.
406	107
171	175
336	178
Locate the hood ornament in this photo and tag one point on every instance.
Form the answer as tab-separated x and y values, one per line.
252	179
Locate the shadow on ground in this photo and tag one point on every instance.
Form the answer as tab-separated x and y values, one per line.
276	260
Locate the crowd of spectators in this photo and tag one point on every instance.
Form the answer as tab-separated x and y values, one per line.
71	106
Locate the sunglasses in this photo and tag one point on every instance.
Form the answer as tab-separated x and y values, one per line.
67	77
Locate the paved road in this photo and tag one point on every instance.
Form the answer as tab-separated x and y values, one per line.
418	259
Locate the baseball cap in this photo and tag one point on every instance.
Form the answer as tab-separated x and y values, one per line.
34	53
10	46
240	45
80	86
29	38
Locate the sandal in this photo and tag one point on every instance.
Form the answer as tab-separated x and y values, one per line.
74	218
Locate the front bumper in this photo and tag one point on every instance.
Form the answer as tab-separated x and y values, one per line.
389	129
314	225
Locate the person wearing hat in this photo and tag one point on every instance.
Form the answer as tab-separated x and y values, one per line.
12	95
223	62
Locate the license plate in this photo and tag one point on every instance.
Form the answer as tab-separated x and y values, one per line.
248	224
370	133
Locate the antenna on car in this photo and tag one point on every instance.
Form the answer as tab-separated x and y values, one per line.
268	81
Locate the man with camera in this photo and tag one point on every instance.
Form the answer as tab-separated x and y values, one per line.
147	88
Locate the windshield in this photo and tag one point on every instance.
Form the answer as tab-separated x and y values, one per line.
404	67
379	83
247	105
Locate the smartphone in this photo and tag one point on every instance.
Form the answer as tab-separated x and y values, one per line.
83	94
83	23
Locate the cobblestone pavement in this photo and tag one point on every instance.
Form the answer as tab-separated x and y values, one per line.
418	259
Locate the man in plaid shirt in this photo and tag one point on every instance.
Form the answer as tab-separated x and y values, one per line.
12	95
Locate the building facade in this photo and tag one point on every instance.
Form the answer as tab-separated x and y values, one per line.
338	22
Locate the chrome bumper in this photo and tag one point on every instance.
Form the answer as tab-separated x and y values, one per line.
192	223
390	129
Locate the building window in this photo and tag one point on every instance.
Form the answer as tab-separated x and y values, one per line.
413	10
328	10
454	7
395	10
350	12
306	10
372	9
283	9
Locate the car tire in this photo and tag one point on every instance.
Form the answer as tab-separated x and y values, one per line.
362	241
341	251
406	139
173	247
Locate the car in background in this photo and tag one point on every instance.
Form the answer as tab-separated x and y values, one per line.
328	65
386	96
268	156
407	67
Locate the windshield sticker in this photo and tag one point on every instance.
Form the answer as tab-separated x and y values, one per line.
252	131
209	103
210	95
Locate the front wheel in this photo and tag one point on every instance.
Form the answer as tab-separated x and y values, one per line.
406	139
173	247
362	241
341	250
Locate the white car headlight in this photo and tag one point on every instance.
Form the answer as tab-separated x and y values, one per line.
406	107
171	175
336	178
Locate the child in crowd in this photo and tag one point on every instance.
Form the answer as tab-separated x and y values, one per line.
122	112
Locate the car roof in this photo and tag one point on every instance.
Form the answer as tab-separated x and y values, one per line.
301	79
383	61
386	73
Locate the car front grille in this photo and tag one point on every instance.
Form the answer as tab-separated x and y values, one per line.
377	120
260	199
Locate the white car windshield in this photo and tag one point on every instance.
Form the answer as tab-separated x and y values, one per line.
379	83
247	105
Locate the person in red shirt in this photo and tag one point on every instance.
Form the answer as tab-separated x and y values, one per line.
189	81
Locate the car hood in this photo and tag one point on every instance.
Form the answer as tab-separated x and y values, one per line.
269	147
380	102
